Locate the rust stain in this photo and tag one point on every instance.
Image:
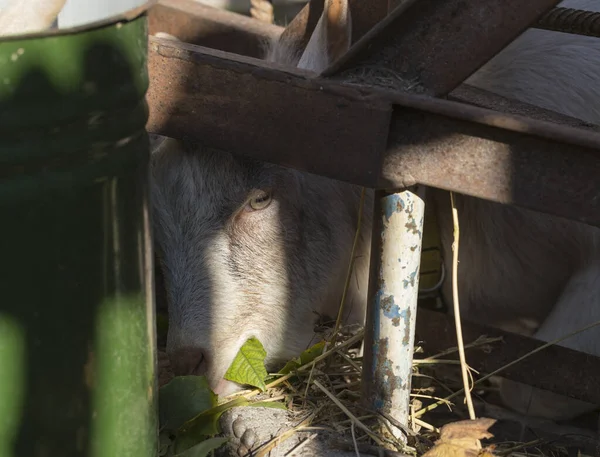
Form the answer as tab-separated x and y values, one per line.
399	205
406	338
386	303
412	226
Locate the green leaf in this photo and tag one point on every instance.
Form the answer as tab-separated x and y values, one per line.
306	357
312	353
182	399
292	365
203	448
248	366
268	404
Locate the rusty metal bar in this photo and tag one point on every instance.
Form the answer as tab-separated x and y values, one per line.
231	102
570	20
434	45
505	158
480	97
195	23
392	311
340	131
578	377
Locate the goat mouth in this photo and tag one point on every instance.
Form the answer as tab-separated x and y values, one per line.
224	387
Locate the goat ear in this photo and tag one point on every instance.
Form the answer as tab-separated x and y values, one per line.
330	39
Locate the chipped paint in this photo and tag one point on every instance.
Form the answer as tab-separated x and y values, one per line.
406	340
387	381
412	226
389	309
394	205
411	279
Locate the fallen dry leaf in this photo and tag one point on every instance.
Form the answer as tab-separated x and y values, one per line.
461	439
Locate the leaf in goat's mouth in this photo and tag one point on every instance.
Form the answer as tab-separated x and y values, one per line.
248	367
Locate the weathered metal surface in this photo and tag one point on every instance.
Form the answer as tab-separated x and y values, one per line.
393	291
508	159
434	45
576	378
471	95
365	15
229	102
195	23
570	20
77	345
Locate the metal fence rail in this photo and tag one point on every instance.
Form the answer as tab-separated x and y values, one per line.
199	93
577	377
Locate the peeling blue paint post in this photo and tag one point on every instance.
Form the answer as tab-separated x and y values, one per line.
392	309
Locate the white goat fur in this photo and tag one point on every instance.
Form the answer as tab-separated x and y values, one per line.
232	273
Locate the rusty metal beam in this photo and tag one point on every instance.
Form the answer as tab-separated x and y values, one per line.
435	332
505	158
569	20
195	23
434	45
480	97
340	131
365	15
248	107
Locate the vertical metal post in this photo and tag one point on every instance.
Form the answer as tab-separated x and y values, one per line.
392	308
77	327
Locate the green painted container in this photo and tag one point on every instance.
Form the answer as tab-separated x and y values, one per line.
77	352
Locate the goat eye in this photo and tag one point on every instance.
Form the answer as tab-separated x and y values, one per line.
260	200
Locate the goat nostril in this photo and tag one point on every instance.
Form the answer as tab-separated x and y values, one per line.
188	361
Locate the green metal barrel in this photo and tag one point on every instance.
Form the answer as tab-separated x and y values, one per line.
77	357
